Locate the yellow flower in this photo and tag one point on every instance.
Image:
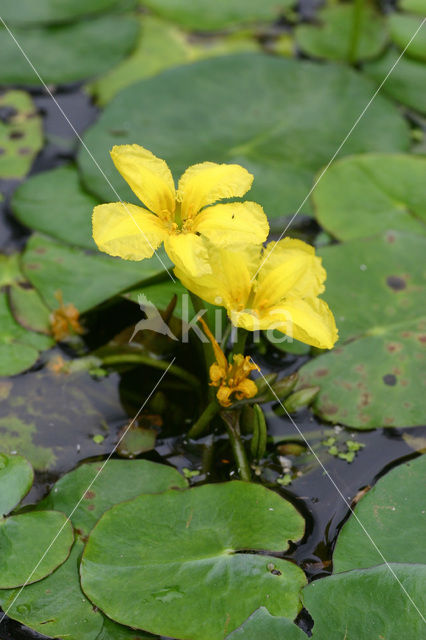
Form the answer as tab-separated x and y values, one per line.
181	219
230	378
272	288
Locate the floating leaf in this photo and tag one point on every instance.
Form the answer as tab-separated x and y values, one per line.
368	604
16	479
160	46
32	545
205	15
120	480
63	54
406	83
363	195
332	37
225	110
19	348
57	606
84	279
402	28
17	435
55	203
393	505
187	543
137	440
416	6
28	12
262	625
374	378
21	134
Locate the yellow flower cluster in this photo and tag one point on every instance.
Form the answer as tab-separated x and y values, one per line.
217	248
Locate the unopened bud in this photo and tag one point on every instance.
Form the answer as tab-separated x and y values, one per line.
301	398
258	442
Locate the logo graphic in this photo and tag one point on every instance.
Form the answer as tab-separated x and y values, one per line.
153	320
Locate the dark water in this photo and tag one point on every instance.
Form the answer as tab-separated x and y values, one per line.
70	411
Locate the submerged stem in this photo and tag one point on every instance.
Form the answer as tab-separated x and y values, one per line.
200	426
142	358
232	421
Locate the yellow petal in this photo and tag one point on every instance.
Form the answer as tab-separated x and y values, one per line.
232	224
229	283
205	183
149	177
288	267
246	389
309	321
124	230
188	252
223	394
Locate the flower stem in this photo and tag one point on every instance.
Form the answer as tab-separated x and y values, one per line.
200	426
232	421
141	358
357	12
240	343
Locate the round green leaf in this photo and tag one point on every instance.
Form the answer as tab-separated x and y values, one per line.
332	37
363	195
84	279
119	480
181	545
63	54
161	46
21	134
24	539
19	348
262	625
392	506
406	83
402	28
54	203
368	604
28	12
16	479
246	109
375	375
204	14
56	607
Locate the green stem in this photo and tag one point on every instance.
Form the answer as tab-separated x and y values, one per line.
199	427
358	10
199	305
141	358
240	343
225	338
231	419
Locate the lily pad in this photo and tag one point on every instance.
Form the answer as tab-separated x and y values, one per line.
21	133
25	538
84	279
19	348
120	480
16	479
187	543
363	195
63	54
406	83
393	505
28	12
160	46
374	378
57	606
204	15
332	37
225	110
368	604
55	203
17	435
262	625
402	27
